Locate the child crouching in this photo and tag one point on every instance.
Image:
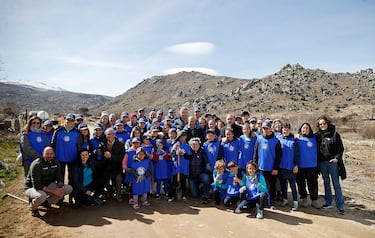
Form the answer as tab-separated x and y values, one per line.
255	191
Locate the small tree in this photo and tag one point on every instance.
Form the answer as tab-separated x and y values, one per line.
83	110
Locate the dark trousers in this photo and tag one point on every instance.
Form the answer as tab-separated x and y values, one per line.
271	184
174	184
309	176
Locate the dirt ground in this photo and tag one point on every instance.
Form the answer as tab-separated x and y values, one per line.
193	219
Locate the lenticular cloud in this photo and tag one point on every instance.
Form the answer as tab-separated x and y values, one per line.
193	48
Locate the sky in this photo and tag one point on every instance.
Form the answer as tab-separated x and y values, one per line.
108	47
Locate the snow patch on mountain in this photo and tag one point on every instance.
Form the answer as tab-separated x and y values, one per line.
34	85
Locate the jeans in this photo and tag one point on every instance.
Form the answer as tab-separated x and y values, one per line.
330	171
194	185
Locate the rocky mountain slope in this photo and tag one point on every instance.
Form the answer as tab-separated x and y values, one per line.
22	97
292	89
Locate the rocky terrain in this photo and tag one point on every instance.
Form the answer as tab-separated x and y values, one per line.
292	89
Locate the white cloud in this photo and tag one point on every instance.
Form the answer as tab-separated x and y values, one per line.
78	61
189	69
192	48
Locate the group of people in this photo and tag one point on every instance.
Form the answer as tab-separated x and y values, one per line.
242	162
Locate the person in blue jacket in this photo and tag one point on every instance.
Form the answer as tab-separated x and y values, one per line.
255	192
288	166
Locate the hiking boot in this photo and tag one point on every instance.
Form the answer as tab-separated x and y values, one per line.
295	206
315	204
284	202
157	196
304	202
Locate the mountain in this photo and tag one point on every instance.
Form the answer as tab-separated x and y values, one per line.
291	89
22	95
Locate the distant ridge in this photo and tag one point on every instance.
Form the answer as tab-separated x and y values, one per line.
292	89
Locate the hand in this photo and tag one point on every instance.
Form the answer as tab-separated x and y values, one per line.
334	161
208	168
242	189
255	180
107	155
59	192
274	172
90	193
295	169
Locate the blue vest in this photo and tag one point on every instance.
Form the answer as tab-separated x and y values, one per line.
140	168
184	163
212	150
230	151
95	144
308	151
38	141
287	157
122	137
266	153
246	150
131	155
66	145
233	188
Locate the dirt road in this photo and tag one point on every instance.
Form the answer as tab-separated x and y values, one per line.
184	219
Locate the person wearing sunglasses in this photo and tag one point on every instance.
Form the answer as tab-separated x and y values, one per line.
32	142
330	154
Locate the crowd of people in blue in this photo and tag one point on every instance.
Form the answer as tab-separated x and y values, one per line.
241	162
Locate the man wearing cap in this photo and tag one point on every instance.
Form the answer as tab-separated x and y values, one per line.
113	152
197	112
79	119
171	115
267	154
66	142
121	134
141	114
125	121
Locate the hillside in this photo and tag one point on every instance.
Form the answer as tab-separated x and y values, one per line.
55	101
292	89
